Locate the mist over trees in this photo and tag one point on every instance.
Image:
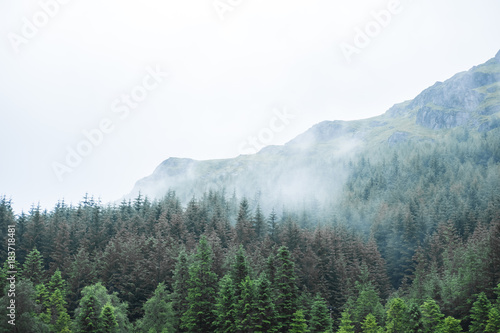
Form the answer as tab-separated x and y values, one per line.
412	244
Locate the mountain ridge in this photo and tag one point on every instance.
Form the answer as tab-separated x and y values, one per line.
469	99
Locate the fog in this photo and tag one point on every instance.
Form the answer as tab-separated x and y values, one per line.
126	85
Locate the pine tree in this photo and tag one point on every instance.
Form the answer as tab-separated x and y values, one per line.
224	307
33	267
346	325
431	316
396	321
493	324
414	323
370	324
88	319
179	297
158	313
451	325
245	311
59	317
479	314
200	316
266	314
320	316
287	295
107	319
299	324
259	224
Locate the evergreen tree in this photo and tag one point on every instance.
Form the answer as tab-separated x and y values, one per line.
346	325
224	307
370	324
200	316
396	316
451	325
59	317
414	319
287	294
246	311
265	320
320	316
33	267
493	324
88	319
158	313
179	296
431	316
299	324
107	319
479	314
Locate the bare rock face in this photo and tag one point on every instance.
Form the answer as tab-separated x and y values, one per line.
398	137
437	119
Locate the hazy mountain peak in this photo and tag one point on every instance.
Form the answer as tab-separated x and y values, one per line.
312	164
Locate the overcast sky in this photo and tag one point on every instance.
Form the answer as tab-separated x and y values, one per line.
69	67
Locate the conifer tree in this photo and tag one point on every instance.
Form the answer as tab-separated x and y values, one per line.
265	320
88	319
158	313
33	267
479	314
200	316
245	312
224	308
287	294
299	324
493	324
320	316
431	316
59	317
370	324
451	325
346	325
108	323
179	296
396	316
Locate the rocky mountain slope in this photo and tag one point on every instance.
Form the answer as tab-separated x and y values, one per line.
315	163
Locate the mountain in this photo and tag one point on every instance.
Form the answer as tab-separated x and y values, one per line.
316	163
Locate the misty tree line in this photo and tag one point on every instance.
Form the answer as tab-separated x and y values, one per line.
413	245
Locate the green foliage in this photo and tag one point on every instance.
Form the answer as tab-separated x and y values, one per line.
320	316
370	324
479	314
493	324
266	317
246	312
299	324
107	319
33	267
432	317
224	307
396	316
346	325
367	301
287	295
158	313
179	296
451	325
94	298
200	316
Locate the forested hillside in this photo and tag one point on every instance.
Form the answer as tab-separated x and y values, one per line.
412	244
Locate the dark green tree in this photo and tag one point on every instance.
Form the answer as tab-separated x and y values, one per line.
265	320
493	324
432	317
287	294
158	313
88	318
320	316
370	324
396	320
179	296
225	306
200	316
33	267
107	319
479	314
299	324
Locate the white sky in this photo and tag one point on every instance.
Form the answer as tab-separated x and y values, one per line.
225	78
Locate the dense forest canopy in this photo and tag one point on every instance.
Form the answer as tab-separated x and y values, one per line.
412	244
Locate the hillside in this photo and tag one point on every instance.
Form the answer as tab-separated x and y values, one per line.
313	164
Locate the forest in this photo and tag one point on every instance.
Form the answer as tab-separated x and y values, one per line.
411	244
